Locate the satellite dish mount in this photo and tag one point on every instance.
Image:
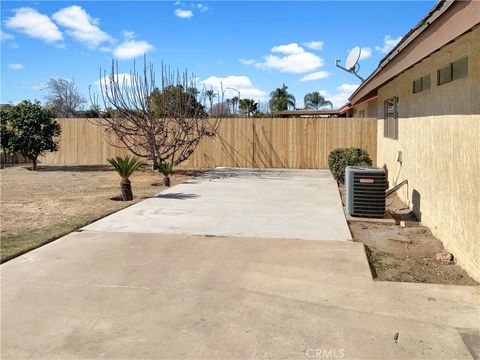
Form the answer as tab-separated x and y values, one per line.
351	64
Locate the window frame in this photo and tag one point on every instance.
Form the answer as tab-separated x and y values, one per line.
450	68
422	85
393	118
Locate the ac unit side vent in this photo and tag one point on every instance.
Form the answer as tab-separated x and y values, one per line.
365	191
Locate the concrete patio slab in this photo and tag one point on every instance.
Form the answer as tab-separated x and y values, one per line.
141	284
130	296
267	203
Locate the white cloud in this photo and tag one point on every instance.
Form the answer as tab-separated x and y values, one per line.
30	22
388	44
241	83
128	35
16	66
202	7
337	100
315	76
314	45
81	26
292	48
131	48
183	14
122	78
365	53
350	88
292	59
246	61
5	37
293	63
341	97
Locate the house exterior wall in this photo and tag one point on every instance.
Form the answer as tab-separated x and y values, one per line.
439	136
366	109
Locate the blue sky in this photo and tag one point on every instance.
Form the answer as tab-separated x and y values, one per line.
251	46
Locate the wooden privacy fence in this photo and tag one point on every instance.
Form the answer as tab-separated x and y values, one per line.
240	142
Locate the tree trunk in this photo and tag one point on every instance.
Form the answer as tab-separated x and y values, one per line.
126	189
154	162
34	164
166	180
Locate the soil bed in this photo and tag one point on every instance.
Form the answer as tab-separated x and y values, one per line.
405	254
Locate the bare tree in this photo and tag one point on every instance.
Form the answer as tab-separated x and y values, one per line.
220	109
63	97
163	125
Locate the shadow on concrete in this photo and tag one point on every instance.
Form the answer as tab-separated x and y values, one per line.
189	172
471	339
225	173
176	196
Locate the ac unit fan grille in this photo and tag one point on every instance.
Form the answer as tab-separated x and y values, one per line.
369	194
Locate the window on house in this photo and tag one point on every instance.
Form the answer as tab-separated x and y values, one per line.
460	68
453	71
390	117
421	84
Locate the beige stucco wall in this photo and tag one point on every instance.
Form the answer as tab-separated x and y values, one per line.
369	108
439	136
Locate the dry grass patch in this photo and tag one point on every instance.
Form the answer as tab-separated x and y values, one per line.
37	207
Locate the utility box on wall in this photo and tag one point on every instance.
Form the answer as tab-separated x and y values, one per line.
365	191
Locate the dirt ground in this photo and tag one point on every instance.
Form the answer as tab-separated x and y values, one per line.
405	254
37	207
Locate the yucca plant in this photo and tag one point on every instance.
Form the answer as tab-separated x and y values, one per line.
166	169
125	167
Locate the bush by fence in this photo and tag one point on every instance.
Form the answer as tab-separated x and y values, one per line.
339	159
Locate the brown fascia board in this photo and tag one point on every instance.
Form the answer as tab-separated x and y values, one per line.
456	19
307	112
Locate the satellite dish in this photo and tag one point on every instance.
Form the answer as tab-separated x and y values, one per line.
352	58
351	65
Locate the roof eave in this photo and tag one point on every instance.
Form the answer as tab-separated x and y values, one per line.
436	11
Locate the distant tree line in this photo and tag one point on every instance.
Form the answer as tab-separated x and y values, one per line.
163	124
64	100
280	100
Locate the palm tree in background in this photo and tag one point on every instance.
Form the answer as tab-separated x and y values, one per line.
248	106
229	102
210	94
235	101
281	100
316	101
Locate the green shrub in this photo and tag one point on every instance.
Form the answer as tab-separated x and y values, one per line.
165	168
125	167
339	159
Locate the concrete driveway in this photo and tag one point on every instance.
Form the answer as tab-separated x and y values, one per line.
146	296
291	204
143	295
